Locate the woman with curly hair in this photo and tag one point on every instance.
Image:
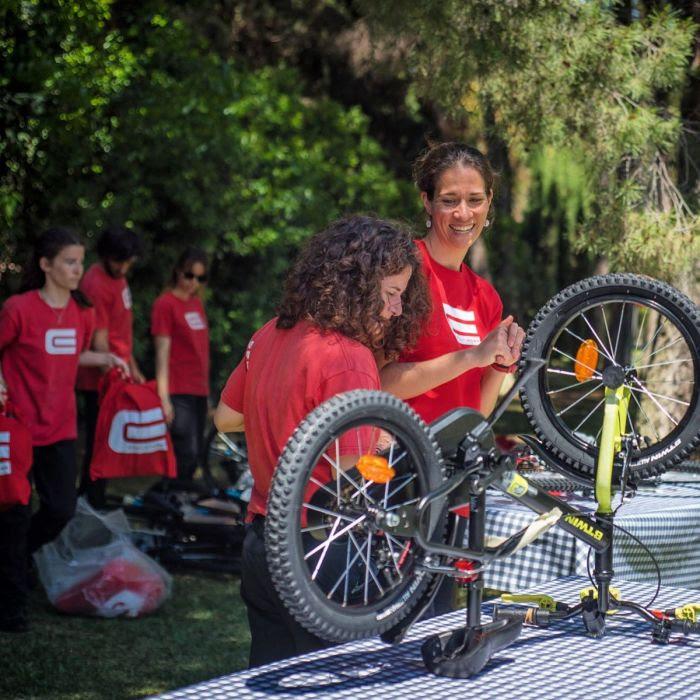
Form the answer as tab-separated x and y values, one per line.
356	290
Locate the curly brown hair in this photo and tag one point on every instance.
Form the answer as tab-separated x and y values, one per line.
335	283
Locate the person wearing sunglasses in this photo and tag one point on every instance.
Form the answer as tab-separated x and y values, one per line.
181	336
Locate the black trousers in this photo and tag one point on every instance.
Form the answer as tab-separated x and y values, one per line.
94	490
187	432
21	534
275	634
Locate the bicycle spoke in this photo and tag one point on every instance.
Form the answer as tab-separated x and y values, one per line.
616	345
646	392
601	344
644	413
325	547
590	413
581	398
596	375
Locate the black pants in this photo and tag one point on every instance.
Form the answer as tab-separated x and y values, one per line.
21	534
94	490
275	634
187	432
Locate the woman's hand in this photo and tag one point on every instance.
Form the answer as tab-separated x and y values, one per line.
112	360
168	410
502	345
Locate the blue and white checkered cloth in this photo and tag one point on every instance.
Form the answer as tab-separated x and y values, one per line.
561	661
665	519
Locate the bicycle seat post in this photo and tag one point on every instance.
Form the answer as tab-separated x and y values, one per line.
477	529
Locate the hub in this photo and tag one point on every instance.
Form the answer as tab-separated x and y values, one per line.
614	376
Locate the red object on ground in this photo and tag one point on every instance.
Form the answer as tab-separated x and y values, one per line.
120	588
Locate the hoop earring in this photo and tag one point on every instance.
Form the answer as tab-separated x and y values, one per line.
428	222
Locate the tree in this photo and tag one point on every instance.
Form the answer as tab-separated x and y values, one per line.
579	76
129	116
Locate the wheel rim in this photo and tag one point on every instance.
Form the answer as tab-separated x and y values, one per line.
350	560
636	339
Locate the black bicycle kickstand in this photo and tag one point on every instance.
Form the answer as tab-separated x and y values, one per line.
463	652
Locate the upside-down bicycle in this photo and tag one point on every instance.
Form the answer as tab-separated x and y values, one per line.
361	525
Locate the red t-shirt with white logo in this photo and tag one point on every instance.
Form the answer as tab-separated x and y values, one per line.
284	375
185	323
40	348
111	299
466	308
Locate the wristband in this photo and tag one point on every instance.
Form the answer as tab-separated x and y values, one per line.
506	369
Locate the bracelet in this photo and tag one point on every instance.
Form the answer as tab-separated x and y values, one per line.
506	369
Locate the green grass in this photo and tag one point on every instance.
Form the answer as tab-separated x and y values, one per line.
199	633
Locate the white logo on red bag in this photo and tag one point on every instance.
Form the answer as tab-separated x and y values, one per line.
138	432
462	324
61	341
195	321
126	297
5	464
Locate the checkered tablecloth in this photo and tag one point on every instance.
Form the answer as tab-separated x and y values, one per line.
548	664
666	519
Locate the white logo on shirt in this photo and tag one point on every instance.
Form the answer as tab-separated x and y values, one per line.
126	297
195	321
61	341
138	432
462	324
5	464
247	354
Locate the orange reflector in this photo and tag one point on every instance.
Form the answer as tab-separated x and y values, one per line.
586	360
375	469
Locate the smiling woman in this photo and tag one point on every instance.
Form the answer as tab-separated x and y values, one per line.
461	356
465	349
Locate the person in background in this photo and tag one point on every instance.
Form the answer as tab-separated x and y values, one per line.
45	333
343	302
106	287
181	336
466	349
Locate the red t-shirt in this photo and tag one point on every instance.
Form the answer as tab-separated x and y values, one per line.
284	375
466	308
111	299
185	323
40	349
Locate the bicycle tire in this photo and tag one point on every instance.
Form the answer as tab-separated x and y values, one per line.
315	559
224	459
637	311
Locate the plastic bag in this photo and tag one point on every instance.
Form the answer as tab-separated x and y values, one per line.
93	568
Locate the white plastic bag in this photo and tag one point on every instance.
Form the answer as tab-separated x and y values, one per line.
93	568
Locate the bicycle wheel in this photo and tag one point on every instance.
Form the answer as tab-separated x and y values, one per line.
603	331
341	575
225	461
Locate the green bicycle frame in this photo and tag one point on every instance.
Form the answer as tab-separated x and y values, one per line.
614	419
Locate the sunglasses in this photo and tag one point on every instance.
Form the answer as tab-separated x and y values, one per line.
190	276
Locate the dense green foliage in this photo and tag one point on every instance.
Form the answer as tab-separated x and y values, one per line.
601	82
130	117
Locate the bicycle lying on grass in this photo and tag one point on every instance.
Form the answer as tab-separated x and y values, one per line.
202	527
361	536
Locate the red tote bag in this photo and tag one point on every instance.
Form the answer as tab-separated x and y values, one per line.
131	437
15	459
